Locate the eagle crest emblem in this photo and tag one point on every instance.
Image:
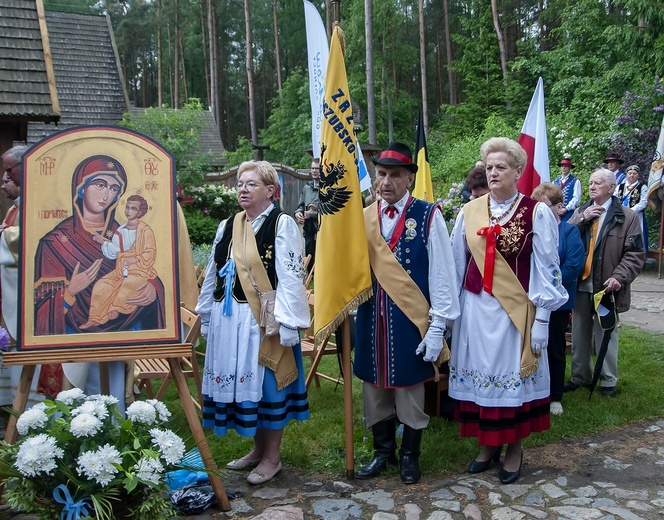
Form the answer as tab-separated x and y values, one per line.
332	195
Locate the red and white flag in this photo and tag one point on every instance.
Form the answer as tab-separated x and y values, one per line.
533	140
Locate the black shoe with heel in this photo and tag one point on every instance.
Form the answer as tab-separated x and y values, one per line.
478	467
507	477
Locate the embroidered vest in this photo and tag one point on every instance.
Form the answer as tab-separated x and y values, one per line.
265	238
630	198
385	338
567	188
515	244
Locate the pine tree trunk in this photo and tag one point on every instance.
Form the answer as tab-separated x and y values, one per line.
371	101
250	81
423	68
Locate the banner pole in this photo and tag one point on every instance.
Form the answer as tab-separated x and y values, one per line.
348	401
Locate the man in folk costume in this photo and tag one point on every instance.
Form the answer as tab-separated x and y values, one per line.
505	249
9	245
614	163
399	339
571	187
614	258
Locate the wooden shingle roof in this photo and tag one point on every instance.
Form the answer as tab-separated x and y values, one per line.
27	87
87	73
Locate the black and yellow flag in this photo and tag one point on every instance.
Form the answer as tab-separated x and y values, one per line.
342	277
423	189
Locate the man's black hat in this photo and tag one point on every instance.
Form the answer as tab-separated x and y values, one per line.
396	154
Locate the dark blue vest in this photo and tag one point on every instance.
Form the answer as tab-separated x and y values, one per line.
386	339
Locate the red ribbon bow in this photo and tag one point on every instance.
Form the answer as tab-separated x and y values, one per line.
491	232
390	211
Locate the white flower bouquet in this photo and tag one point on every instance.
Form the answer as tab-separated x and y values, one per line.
78	457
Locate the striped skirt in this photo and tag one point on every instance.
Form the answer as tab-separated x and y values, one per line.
494	426
276	408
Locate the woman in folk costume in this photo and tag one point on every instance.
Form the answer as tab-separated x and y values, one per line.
506	255
634	194
254	383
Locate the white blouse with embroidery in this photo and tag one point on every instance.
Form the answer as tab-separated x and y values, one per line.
486	346
232	372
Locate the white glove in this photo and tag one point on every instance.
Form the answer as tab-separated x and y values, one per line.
288	337
432	343
204	330
539	337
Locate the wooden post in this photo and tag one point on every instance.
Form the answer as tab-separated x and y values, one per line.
348	401
657	255
198	434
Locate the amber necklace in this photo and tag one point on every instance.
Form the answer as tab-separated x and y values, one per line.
496	220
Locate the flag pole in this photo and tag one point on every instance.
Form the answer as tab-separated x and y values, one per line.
345	351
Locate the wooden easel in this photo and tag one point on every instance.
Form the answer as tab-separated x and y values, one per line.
172	352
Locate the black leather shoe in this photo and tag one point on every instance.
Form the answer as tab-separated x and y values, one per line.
384	438
507	477
609	391
478	467
570	386
409	454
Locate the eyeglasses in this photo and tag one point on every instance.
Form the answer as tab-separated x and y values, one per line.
7	181
249	186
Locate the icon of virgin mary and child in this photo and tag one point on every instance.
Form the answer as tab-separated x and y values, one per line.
91	273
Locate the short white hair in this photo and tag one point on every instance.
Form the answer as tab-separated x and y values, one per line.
609	176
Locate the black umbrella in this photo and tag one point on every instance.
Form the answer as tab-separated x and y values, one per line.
605	308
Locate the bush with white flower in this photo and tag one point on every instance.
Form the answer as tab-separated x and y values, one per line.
452	202
78	457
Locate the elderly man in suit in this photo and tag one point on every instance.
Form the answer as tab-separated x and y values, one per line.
614	257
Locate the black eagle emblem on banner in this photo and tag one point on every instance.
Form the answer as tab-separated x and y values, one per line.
332	196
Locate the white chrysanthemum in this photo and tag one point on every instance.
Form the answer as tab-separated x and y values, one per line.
37	455
96	408
84	425
149	470
162	411
142	412
98	464
106	399
169	444
69	397
32	419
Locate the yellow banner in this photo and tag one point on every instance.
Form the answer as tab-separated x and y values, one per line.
423	188
342	277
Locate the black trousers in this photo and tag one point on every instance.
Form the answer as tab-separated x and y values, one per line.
310	232
558	322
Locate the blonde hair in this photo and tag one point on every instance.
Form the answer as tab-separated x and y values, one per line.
516	155
264	169
550	190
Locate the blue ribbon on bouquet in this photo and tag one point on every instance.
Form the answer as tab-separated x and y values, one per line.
229	272
72	510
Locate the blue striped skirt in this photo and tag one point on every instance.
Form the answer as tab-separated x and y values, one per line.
273	412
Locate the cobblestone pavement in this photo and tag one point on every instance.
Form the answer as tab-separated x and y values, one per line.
611	476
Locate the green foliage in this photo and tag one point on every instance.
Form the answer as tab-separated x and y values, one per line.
289	127
243	152
177	131
202	228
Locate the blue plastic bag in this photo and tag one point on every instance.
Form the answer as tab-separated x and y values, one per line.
188	475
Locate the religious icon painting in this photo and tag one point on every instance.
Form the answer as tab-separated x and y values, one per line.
98	263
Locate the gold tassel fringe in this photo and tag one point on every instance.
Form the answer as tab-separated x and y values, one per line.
327	330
